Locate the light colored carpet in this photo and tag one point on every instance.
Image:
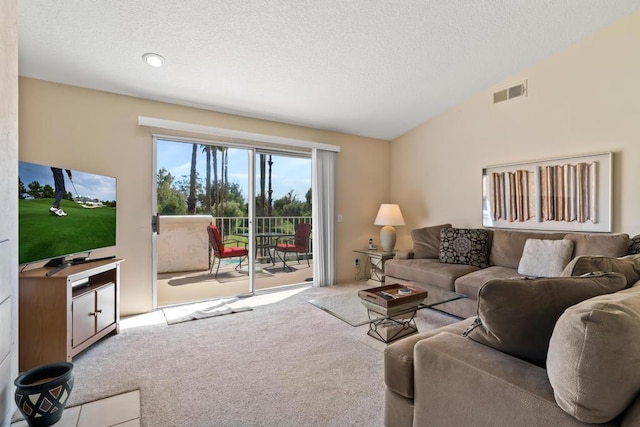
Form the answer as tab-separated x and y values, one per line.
285	363
204	309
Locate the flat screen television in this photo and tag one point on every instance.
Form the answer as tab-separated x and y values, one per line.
84	221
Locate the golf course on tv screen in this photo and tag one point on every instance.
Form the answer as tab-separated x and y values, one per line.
86	219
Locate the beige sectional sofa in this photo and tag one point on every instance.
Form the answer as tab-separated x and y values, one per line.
421	264
549	351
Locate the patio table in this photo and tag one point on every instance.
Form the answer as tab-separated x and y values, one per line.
264	241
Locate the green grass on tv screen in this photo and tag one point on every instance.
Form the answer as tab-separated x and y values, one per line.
44	235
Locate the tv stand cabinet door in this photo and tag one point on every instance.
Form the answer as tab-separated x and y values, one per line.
84	318
105	306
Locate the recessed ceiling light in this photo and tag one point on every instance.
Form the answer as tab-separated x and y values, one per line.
153	59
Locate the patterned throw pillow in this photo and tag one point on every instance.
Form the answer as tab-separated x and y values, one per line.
464	246
634	245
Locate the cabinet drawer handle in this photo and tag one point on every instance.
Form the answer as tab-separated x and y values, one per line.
92	314
95	313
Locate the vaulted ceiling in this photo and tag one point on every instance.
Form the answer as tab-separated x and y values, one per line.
375	68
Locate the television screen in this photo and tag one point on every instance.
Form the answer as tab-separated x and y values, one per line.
63	212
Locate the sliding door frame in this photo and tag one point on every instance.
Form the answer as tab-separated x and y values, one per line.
252	151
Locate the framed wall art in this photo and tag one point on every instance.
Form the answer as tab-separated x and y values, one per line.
568	194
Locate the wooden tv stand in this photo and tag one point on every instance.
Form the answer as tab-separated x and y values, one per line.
61	315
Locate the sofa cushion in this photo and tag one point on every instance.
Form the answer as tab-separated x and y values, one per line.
463	308
470	284
545	258
594	356
614	245
629	266
428	271
507	246
516	316
426	241
464	246
634	245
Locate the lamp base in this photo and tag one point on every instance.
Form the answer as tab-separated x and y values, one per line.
387	238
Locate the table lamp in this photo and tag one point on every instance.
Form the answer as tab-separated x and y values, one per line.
388	216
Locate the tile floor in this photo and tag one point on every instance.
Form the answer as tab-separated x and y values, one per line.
122	410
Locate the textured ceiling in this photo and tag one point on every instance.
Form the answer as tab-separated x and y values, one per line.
366	67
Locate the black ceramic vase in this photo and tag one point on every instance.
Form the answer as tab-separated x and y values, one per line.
41	393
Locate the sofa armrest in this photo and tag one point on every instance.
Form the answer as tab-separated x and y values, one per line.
461	382
398	357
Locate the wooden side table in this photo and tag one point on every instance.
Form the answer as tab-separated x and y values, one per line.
376	260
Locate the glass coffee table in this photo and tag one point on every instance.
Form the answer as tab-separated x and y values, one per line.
349	308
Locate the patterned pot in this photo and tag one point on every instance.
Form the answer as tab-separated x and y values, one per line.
41	393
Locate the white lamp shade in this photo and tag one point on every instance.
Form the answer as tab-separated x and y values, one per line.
388	216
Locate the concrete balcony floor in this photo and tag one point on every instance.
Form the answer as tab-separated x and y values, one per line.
182	287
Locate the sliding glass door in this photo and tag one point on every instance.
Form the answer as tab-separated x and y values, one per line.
231	220
204	247
283	221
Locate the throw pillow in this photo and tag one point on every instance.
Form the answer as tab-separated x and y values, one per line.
634	245
464	246
629	266
593	361
426	241
507	246
599	244
517	316
545	258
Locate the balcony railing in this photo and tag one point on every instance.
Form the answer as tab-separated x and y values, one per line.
188	233
282	224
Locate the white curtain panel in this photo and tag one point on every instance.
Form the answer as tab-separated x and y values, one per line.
324	207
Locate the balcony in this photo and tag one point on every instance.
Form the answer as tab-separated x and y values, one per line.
184	256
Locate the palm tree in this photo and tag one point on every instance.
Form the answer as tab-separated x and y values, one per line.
215	176
262	184
191	200
207	197
270	199
226	166
223	181
266	197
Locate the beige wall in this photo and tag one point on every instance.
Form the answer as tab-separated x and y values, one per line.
585	99
97	132
8	207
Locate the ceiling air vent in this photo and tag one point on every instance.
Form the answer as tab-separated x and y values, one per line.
510	93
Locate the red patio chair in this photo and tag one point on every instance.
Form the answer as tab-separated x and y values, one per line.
299	244
221	252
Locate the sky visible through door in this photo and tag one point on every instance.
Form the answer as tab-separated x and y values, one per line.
290	175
